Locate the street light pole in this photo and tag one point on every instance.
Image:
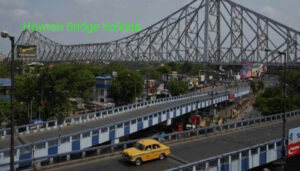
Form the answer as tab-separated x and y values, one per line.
284	107
283	149
4	34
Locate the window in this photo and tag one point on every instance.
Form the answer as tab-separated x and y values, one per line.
148	148
140	120
133	121
145	118
139	146
156	146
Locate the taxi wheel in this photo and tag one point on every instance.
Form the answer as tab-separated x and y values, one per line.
138	162
162	156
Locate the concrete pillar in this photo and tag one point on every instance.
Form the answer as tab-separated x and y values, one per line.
98	151
83	154
169	121
115	141
51	160
68	157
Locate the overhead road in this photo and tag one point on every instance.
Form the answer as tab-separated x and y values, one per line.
95	115
211	147
84	135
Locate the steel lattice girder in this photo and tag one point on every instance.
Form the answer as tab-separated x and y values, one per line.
213	31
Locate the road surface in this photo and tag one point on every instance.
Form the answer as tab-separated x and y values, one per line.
191	151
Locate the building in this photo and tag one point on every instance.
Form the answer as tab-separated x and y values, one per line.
5	84
103	89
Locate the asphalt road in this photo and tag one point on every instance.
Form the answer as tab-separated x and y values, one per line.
191	151
33	137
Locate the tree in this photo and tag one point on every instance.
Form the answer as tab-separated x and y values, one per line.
177	87
82	82
256	86
164	69
4	71
4	110
174	66
124	87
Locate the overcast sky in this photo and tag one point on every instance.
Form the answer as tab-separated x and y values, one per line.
144	12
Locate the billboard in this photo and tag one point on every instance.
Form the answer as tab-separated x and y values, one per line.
294	142
26	51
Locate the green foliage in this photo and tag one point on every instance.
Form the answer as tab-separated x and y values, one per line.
174	66
191	68
4	110
4	71
150	72
81	83
177	87
124	87
164	69
272	101
256	86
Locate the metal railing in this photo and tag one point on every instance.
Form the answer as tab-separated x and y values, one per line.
111	148
45	125
223	160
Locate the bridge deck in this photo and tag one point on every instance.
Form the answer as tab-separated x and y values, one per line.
195	150
33	137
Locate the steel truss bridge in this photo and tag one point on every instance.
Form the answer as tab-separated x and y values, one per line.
203	31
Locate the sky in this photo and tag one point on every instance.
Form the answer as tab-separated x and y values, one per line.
144	12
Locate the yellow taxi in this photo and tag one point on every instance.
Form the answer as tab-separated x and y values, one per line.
146	150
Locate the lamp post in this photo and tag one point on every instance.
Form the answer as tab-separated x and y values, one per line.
283	149
4	34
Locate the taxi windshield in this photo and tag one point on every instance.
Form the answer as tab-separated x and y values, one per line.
139	146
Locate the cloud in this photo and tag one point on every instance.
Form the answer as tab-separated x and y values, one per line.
19	13
269	11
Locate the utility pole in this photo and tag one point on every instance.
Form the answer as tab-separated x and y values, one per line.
282	162
4	34
284	107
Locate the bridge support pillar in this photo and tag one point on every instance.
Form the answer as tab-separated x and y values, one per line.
115	141
98	151
51	161
83	154
68	157
169	121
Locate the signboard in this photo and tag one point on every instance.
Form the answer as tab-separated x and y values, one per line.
26	51
294	142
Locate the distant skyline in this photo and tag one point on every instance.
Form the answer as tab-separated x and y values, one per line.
144	12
